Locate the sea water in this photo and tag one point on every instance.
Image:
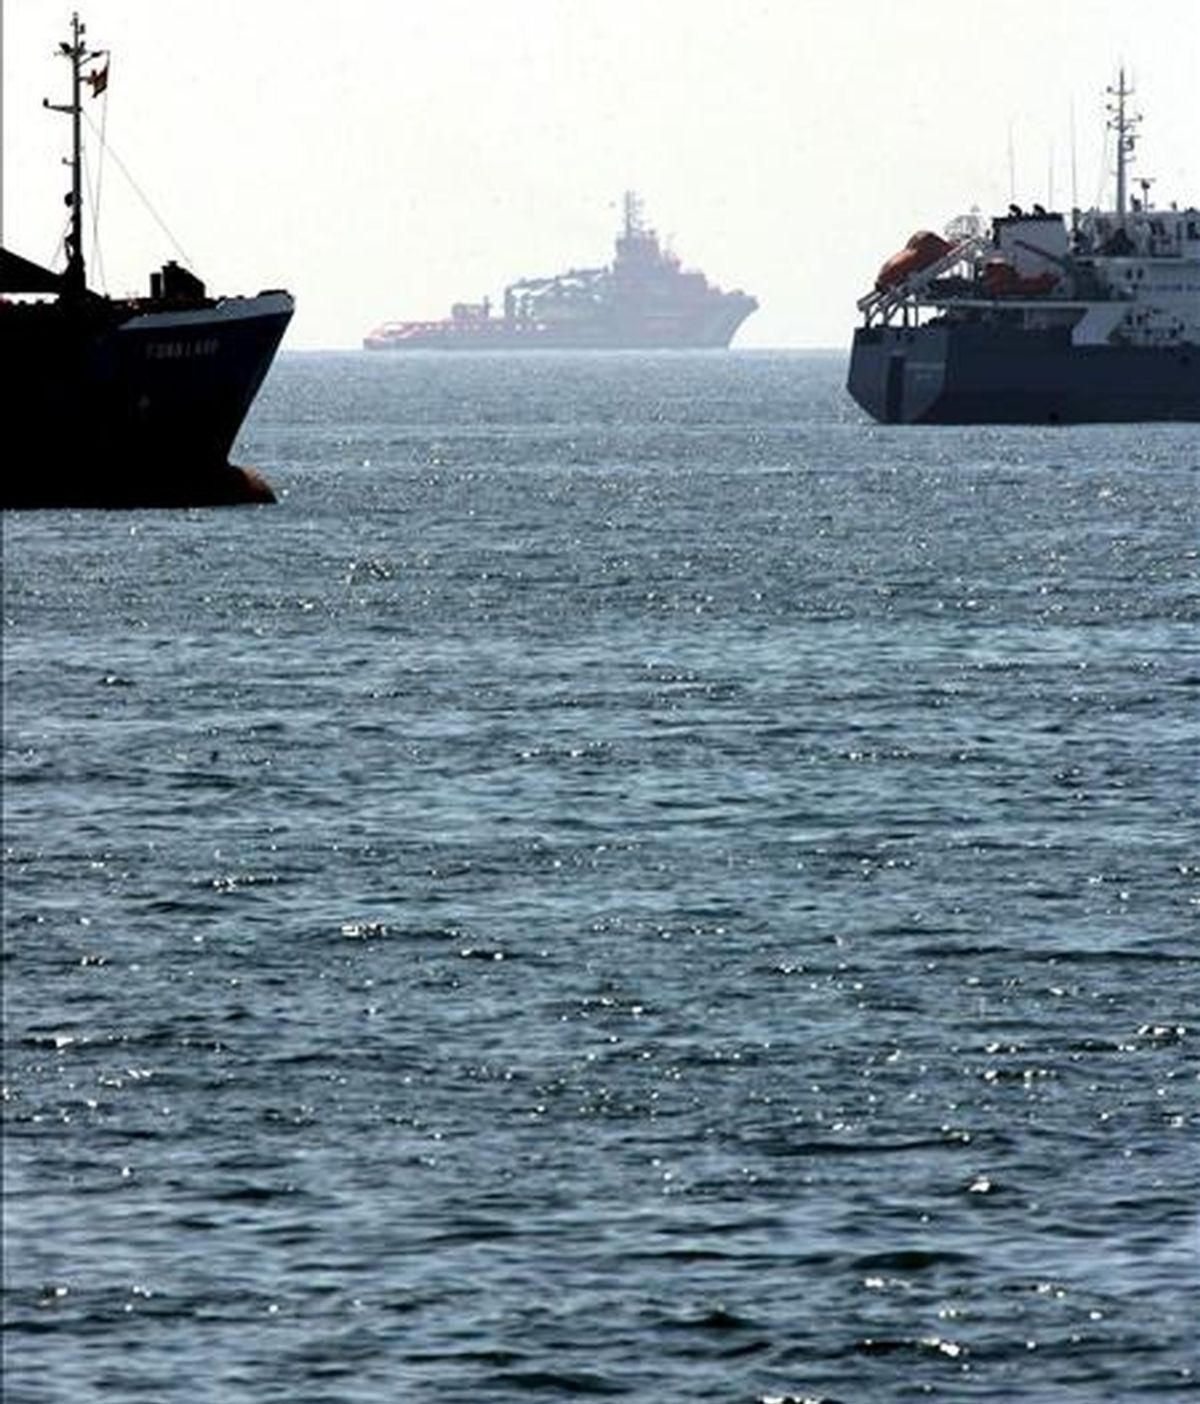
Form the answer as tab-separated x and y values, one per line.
630	881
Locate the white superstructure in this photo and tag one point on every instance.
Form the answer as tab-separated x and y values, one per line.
1129	276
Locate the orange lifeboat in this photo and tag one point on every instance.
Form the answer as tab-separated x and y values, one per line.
1001	279
921	250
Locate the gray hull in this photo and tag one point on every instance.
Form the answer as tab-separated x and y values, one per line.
984	374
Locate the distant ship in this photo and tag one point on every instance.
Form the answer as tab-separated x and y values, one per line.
1040	320
644	299
125	402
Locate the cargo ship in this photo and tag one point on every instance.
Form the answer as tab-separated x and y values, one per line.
1041	318
125	402
644	299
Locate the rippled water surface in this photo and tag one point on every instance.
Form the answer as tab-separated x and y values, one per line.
630	882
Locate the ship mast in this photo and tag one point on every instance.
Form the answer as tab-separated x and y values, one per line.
1124	124
633	214
75	277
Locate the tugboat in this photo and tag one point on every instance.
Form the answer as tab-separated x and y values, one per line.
129	402
1040	320
643	300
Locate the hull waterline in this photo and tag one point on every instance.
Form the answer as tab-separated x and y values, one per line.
964	375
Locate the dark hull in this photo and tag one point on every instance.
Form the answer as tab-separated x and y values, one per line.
985	374
133	405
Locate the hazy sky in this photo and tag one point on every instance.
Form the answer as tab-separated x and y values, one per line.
383	158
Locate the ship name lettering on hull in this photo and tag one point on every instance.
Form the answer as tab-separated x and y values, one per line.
182	350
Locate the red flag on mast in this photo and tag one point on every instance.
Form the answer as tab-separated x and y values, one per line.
98	79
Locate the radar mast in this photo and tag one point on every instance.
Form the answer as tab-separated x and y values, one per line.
75	278
1124	123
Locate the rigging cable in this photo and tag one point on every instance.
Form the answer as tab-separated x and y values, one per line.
94	197
140	193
